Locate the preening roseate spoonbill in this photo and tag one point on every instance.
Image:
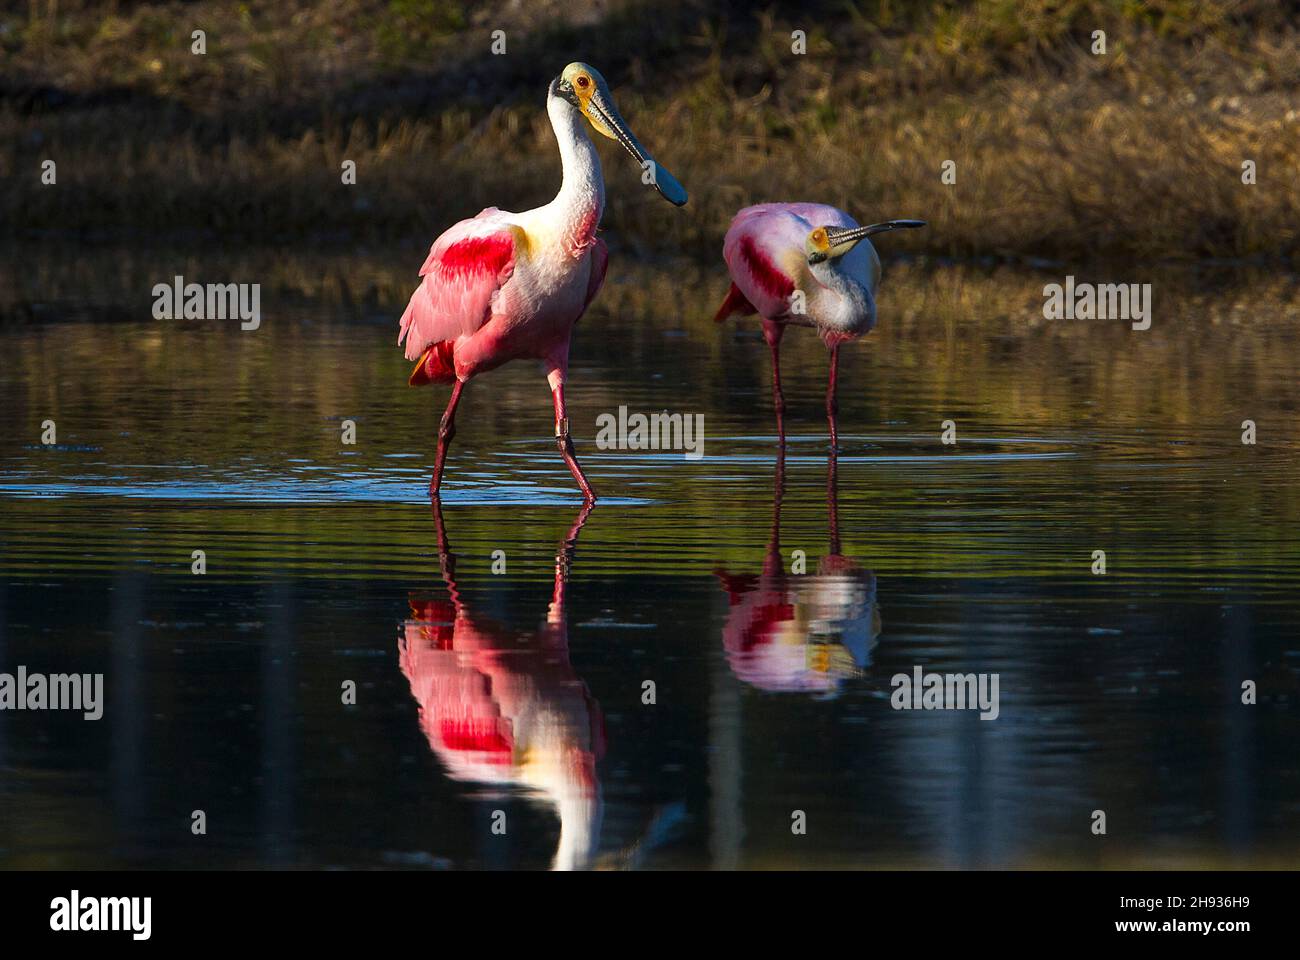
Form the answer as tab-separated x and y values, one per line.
802	632
809	265
504	286
508	710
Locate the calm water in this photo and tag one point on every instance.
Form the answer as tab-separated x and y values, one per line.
500	652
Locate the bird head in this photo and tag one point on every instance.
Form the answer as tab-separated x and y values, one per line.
828	243
584	87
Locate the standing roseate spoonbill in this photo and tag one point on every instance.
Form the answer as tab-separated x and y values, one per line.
504	286
808	265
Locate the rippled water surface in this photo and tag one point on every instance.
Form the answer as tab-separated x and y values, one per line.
504	650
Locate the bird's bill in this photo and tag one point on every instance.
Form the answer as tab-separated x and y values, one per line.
604	116
840	237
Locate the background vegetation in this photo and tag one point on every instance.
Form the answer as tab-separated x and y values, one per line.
1060	153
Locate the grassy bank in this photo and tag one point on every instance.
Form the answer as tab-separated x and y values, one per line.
1059	153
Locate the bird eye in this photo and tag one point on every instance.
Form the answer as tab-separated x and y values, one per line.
583	82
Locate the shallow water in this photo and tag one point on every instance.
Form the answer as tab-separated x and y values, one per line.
491	676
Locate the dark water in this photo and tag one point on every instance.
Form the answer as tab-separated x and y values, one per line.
523	690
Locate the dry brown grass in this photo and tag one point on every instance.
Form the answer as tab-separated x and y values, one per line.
1060	154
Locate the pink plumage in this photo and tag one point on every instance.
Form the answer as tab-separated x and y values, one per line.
599	264
509	286
466	268
760	239
806	264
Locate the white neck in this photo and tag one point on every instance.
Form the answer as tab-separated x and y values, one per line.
581	201
847	300
838	281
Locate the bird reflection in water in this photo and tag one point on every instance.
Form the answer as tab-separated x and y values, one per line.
507	710
804	632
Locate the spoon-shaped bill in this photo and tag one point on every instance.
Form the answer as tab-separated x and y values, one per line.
854	234
652	172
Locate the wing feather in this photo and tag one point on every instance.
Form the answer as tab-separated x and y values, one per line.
466	268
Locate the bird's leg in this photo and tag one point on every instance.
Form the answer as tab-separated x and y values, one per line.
832	404
778	398
565	444
772	334
446	430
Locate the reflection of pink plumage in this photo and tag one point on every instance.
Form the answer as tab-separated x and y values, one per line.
499	709
804	264
800	632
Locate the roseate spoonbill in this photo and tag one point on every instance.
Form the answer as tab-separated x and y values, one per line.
508	710
809	265
801	632
503	286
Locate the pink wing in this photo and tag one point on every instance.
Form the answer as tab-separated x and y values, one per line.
760	239
466	269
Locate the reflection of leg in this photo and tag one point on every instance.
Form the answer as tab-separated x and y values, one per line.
772	334
571	541
833	501
772	563
565	443
563	560
446	559
832	403
780	479
444	547
446	430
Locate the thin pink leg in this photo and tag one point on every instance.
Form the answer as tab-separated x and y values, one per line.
772	334
832	404
446	430
565	443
